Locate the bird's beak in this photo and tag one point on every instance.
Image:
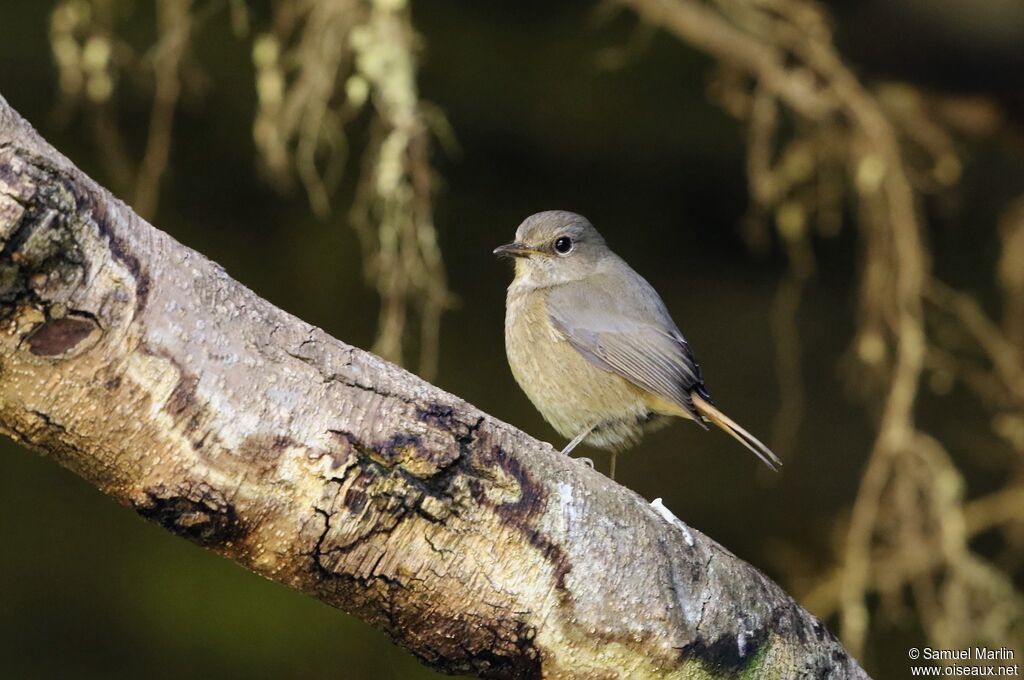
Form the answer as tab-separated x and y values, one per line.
515	250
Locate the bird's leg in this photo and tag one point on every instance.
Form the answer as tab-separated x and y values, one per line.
577	439
611	471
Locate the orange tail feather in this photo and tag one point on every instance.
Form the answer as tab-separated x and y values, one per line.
733	428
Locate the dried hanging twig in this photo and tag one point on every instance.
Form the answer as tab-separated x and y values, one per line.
325	63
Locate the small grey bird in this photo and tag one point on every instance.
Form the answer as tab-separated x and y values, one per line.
592	344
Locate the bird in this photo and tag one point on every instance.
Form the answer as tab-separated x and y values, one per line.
593	346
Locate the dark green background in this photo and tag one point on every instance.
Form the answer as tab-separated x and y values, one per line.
89	590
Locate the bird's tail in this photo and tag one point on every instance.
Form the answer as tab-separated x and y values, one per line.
706	409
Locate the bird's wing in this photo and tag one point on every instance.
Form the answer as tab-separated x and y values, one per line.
625	329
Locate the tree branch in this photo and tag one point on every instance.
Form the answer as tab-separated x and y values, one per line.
140	365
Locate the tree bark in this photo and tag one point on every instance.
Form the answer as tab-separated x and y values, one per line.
143	367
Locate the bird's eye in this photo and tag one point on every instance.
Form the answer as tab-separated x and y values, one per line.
563	245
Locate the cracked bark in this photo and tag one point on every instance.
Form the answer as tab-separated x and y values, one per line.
140	365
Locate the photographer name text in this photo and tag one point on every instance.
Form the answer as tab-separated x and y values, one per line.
968	654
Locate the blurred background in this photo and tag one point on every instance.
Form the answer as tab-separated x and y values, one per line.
830	198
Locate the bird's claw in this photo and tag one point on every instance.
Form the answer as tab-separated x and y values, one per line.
586	461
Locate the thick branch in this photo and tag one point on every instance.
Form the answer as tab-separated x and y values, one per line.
143	367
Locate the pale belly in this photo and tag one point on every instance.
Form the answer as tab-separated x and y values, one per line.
569	391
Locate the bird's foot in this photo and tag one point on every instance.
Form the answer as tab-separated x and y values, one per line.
586	461
576	441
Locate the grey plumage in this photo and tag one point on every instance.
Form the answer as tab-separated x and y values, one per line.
591	343
629	332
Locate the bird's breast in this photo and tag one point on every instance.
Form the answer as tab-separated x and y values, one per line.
569	391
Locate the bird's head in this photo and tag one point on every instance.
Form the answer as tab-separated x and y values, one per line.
554	247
